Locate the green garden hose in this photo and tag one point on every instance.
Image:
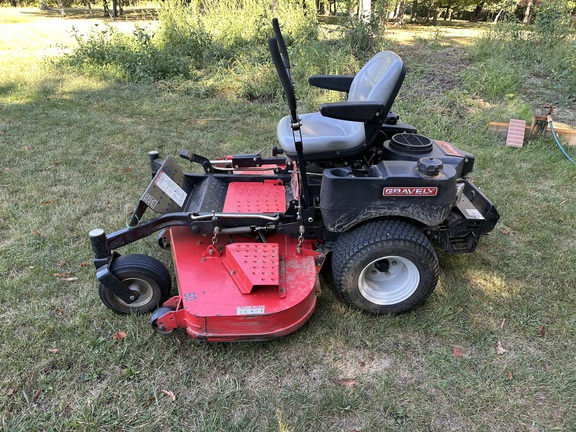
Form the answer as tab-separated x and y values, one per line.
557	141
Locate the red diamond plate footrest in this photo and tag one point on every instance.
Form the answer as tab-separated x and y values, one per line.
253	265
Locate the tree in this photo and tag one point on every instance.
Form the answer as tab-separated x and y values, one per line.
400	10
365	10
529	5
414	12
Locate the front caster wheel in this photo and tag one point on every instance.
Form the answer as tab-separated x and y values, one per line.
154	320
386	266
146	276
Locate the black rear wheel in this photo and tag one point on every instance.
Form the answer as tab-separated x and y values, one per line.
146	276
386	266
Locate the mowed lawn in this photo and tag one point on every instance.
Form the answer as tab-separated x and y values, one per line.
493	349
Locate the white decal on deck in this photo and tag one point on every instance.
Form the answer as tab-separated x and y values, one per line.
170	188
250	310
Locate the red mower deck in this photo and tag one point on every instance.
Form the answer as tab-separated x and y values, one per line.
241	290
237	288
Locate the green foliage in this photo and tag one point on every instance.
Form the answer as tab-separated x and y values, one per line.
551	23
132	57
361	36
492	79
509	52
236	24
228	31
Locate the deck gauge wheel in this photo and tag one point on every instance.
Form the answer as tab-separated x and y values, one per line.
146	276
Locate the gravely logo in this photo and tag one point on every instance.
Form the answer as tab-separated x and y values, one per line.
410	191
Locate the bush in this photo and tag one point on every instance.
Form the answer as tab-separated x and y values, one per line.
131	57
188	35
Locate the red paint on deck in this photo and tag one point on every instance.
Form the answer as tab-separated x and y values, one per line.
213	308
252	197
252	265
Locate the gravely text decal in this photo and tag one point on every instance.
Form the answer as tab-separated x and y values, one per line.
410	191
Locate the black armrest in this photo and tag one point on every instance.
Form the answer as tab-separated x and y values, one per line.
340	83
353	111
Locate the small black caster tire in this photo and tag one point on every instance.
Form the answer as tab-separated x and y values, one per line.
154	319
145	275
384	267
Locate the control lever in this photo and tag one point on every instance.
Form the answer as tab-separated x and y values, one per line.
189	156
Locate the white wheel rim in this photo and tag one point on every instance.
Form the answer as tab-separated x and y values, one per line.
143	288
396	283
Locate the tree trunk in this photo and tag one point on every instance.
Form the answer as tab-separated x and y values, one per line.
477	11
428	8
529	5
364	10
90	8
448	10
498	15
436	13
414	13
400	13
61	7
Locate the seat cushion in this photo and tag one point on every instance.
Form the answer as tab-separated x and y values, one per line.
378	80
321	135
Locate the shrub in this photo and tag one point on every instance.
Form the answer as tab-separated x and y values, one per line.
188	35
132	57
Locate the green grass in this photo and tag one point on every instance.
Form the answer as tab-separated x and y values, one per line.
74	158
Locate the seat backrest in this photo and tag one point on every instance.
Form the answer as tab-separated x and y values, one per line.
379	80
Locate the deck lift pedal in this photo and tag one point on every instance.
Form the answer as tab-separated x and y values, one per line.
249	236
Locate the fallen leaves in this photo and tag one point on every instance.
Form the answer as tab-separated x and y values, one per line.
346	382
500	350
65	277
169	394
119	336
542	331
36	395
53	350
457	351
507	231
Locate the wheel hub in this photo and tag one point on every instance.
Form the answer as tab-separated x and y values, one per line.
389	280
141	290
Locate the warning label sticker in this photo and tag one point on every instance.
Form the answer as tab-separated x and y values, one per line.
474	213
250	310
150	201
170	188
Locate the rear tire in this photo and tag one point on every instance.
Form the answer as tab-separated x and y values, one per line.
384	267
143	274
